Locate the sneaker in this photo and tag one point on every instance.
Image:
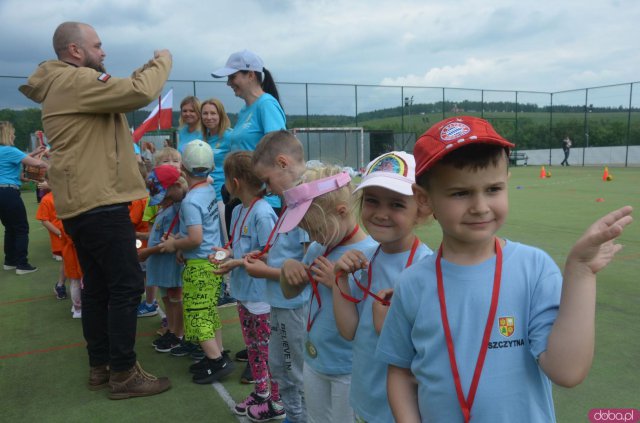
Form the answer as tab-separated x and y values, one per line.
184	348
242	355
247	376
197	354
200	364
135	382
57	257
8	267
268	410
77	314
241	408
214	370
60	291
25	269
147	310
156	341
166	344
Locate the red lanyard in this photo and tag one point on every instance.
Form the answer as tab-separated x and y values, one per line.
466	404
233	231
177	216
173	223
314	285
367	289
273	232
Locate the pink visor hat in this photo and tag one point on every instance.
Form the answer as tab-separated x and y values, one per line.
299	199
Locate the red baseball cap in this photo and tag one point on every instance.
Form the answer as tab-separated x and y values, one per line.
451	134
161	178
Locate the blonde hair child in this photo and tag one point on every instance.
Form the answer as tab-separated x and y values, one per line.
321	205
199	233
251	223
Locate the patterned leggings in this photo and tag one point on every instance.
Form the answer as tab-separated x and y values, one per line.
256	329
200	299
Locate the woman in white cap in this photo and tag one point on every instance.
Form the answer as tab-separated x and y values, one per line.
262	112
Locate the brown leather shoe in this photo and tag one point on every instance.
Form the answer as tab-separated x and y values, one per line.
98	377
135	382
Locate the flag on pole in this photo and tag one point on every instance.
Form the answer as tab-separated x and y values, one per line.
159	118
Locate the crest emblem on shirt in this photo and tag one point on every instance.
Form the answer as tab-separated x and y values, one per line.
245	230
506	326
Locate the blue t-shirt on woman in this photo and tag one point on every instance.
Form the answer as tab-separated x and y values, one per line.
10	162
254	121
220	147
185	137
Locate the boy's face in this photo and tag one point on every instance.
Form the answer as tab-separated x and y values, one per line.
277	178
171	160
176	193
470	205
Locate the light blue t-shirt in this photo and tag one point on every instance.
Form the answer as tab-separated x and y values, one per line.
250	234
200	207
286	246
220	147
512	387
333	351
264	115
368	395
162	268
185	137
10	165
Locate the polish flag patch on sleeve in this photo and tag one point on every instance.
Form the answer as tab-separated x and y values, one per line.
104	77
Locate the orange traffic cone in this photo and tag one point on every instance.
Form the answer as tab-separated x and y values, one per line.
605	175
543	173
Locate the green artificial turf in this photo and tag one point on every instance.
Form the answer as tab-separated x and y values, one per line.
43	362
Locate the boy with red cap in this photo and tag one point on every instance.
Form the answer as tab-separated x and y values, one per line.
167	189
485	325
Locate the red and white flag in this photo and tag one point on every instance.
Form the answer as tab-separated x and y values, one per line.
160	117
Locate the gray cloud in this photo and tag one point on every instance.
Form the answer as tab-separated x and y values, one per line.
540	45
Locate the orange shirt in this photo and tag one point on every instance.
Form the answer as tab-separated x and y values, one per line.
47	213
136	211
70	261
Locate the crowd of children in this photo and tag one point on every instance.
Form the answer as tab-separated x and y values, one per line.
339	299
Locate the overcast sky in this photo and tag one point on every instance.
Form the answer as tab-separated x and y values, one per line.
541	45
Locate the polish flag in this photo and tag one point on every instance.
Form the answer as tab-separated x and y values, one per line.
160	117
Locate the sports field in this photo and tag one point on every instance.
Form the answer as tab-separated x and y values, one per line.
43	363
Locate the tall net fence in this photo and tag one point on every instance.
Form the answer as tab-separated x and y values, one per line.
602	122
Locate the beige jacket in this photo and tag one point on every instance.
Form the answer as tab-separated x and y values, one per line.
92	161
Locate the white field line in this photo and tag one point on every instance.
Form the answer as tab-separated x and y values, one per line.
224	394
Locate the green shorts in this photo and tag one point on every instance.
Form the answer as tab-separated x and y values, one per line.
200	291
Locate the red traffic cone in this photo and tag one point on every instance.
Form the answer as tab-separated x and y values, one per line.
543	173
605	175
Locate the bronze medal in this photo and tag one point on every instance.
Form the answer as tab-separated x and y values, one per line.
311	349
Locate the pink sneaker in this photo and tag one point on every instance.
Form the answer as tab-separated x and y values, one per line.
253	399
268	410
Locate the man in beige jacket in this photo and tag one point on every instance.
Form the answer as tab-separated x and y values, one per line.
94	176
